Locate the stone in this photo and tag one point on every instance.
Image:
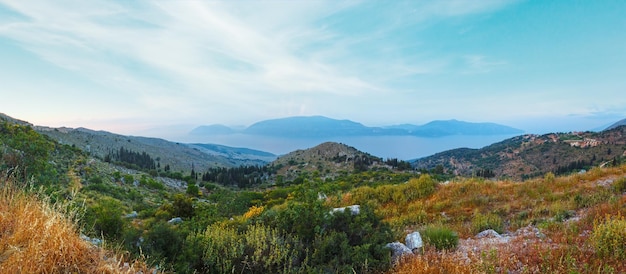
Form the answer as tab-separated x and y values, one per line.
398	250
489	233
176	220
354	209
93	241
132	215
414	241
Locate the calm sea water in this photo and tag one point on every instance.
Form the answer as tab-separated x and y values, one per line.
401	147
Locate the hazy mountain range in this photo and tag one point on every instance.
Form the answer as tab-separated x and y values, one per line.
320	126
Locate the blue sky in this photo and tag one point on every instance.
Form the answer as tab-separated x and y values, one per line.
129	66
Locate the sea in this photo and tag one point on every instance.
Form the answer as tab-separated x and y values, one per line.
400	147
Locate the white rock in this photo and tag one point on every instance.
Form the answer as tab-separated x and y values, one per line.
354	209
489	233
414	241
176	220
398	250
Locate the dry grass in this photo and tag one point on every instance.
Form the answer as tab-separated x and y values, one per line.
37	237
536	214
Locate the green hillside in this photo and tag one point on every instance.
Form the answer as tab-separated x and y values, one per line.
285	217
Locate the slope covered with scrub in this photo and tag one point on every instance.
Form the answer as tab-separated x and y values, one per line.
38	237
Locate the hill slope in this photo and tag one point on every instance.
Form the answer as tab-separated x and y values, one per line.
180	157
532	155
617	124
327	159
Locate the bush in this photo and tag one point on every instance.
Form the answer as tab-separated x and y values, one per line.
440	237
609	237
619	186
259	249
106	218
482	222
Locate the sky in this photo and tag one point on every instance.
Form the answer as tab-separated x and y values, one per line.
143	66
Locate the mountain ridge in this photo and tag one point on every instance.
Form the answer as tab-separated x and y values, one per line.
179	156
321	126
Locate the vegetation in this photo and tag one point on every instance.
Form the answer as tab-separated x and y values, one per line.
41	237
440	237
281	219
131	159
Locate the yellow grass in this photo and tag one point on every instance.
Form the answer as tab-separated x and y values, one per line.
566	246
36	237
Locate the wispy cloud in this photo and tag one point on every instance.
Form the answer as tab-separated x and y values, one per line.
207	58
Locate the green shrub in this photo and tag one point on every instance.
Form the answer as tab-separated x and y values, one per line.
106	217
609	237
440	237
482	222
259	249
619	186
549	177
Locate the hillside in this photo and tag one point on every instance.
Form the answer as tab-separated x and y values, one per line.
327	159
38	237
180	157
342	213
533	155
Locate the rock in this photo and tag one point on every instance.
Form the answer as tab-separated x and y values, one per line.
398	250
414	241
176	220
354	209
489	233
132	215
94	241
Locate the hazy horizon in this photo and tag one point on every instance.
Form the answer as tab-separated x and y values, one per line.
146	66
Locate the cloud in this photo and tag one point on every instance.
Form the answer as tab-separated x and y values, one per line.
193	58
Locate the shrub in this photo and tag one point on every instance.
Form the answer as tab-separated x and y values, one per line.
259	249
619	186
482	222
162	242
440	237
106	217
549	177
609	237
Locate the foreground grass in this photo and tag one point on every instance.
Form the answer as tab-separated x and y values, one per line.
37	237
580	219
567	224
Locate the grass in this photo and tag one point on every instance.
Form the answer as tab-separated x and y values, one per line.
38	237
547	205
440	237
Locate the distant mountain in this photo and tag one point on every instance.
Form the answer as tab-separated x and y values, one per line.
617	124
212	130
320	126
455	127
313	126
533	155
